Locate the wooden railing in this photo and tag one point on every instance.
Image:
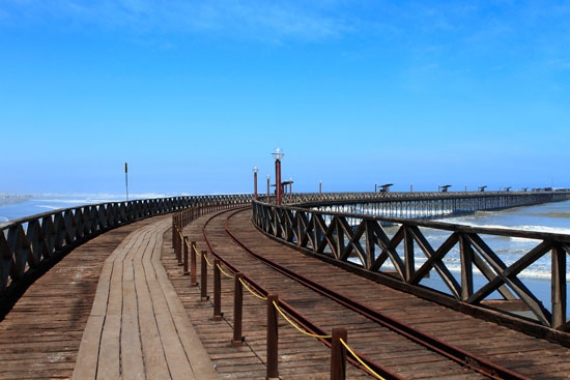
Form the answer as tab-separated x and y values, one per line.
27	243
361	241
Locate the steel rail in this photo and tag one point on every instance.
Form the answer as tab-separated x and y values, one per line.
452	352
303	321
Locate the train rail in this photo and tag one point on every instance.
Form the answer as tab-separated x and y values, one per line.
388	346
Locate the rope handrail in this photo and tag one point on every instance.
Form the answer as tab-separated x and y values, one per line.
207	261
249	289
296	326
359	360
196	251
228	275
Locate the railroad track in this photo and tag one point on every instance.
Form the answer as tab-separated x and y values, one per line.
320	297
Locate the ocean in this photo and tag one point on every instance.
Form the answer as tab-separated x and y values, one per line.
550	217
16	207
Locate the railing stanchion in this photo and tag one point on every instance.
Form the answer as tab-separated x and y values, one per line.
186	273
204	277
238	311
338	354
193	265
272	338
217	291
179	250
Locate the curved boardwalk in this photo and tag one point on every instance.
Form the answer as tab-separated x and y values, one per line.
106	311
302	357
109	310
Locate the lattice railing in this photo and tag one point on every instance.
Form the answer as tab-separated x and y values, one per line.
407	254
28	242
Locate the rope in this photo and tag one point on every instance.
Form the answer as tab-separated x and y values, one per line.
208	261
224	273
296	326
370	371
251	290
196	251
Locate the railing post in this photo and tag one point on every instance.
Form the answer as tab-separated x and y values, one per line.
272	338
173	231
193	265
186	273
204	277
217	291
338	354
179	250
238	311
558	286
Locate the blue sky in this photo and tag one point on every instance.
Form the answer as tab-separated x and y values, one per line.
194	94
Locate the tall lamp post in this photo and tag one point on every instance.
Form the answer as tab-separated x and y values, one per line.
268	187
255	171
278	155
127	180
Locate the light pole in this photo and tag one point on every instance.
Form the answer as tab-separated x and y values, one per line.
268	187
278	155
255	171
127	180
321	190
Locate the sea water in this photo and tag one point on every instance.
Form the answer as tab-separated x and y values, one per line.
550	217
16	207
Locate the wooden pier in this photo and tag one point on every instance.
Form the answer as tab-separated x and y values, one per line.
97	292
109	309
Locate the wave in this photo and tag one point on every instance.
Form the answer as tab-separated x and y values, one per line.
556	214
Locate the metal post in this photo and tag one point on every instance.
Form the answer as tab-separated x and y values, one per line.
204	277
321	190
268	188
217	291
255	170
278	181
338	354
278	155
186	273
272	338
179	250
238	311
127	180
193	281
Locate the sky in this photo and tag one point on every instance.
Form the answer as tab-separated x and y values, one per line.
194	94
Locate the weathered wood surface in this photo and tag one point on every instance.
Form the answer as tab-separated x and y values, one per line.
136	328
40	336
302	357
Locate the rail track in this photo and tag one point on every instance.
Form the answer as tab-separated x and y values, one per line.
320	299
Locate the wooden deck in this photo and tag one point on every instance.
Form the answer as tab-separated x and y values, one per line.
119	306
106	311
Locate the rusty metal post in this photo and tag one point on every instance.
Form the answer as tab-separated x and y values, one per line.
255	171
237	340
338	354
278	182
186	273
193	281
179	250
173	231
217	291
204	277
272	338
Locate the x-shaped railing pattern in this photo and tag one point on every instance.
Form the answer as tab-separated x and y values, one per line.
362	240
28	242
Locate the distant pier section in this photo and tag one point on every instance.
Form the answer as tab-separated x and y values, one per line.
428	205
